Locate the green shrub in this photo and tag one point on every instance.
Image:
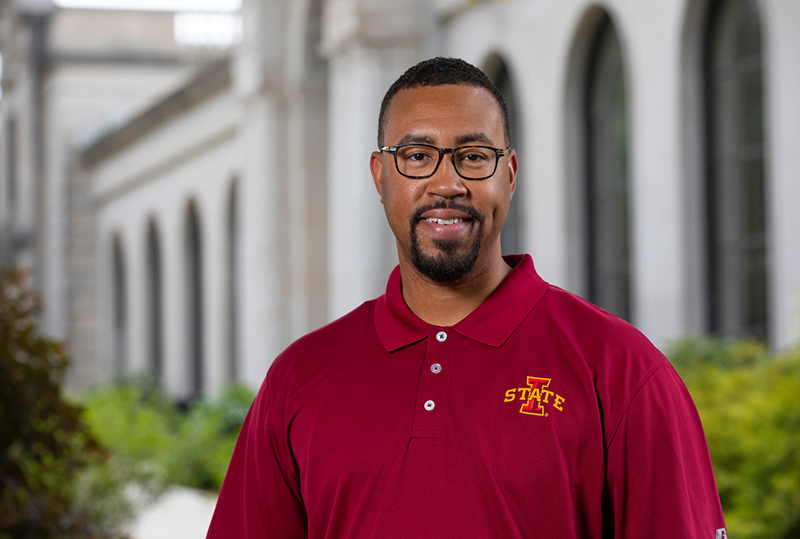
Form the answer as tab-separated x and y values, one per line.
154	443
749	402
138	427
51	467
207	436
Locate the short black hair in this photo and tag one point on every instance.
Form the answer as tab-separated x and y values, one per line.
439	71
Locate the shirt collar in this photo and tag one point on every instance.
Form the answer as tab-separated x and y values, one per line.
492	323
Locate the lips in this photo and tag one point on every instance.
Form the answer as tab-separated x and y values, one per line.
445	221
446	213
445	217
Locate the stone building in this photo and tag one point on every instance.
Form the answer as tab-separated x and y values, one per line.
69	76
231	210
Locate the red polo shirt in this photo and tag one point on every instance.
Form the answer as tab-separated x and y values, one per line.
539	416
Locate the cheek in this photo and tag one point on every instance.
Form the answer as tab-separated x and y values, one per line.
399	198
501	197
397	211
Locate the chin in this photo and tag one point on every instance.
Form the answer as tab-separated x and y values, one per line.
449	264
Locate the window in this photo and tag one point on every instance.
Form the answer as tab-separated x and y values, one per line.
607	176
154	303
512	236
7	246
736	186
11	165
194	300
120	307
233	270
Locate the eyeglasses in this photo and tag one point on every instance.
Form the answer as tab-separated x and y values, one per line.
418	161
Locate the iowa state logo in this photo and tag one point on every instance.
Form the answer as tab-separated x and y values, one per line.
535	397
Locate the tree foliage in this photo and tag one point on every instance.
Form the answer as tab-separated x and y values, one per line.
749	402
44	444
155	443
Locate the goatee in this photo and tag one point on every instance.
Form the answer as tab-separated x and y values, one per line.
455	259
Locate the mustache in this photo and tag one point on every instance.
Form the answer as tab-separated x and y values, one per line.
474	214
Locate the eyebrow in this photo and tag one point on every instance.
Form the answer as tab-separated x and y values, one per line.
473	137
460	140
420	139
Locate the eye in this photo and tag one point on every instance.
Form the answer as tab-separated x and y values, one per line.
417	154
474	156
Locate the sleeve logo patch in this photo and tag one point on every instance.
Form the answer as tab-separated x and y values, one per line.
536	397
722	534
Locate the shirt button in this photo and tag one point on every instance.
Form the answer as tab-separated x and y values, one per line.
436	368
430	405
441	336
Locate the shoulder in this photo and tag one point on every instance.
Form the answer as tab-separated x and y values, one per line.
619	359
598	334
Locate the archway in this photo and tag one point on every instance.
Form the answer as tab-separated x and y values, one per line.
194	299
120	306
736	186
606	181
154	304
514	230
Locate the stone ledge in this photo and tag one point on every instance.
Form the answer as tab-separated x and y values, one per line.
207	83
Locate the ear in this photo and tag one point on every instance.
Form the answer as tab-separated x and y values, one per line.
376	168
512	170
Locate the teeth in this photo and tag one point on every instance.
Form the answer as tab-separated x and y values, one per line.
444	221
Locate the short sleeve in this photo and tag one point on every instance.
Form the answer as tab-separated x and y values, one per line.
260	497
659	478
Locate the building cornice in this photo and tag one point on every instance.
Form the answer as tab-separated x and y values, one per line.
376	25
115	57
206	84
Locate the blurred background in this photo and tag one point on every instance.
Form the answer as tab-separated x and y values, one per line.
187	180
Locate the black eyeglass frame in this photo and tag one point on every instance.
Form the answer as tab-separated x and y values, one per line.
497	151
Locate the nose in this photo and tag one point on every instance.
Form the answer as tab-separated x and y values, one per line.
446	182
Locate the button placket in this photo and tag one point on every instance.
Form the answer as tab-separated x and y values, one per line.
434	381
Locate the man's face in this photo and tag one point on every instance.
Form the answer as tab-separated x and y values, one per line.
447	227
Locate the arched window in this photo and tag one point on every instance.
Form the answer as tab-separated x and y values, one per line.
608	251
194	299
736	190
512	236
154	304
120	307
233	291
11	167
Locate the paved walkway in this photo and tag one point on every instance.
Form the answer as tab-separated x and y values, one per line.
181	513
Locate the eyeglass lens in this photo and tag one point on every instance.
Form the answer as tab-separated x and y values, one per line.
470	161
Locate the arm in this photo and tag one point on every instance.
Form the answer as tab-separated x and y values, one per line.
260	498
659	479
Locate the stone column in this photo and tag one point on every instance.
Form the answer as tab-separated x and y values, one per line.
368	46
258	76
214	286
651	48
176	375
780	21
22	31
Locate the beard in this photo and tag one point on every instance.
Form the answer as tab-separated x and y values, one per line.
455	258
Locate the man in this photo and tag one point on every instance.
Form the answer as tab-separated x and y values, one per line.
472	399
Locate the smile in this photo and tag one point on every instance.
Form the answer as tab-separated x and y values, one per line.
444	221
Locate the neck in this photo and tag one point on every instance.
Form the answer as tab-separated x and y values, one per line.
447	304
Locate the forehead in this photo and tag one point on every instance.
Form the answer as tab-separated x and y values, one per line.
443	113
